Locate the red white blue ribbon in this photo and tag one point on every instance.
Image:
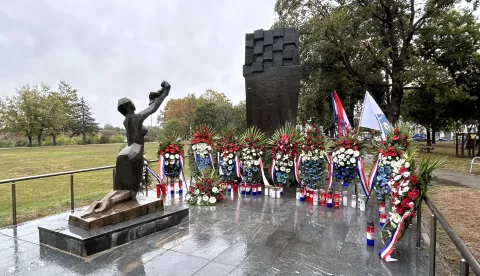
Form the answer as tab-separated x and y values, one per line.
211	159
272	170
238	167
361	176
180	161
154	175
161	167
390	245
265	180
373	173
330	171
219	164
298	163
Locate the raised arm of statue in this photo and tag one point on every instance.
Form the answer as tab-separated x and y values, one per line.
159	96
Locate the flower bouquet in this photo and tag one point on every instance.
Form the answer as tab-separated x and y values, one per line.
406	190
313	157
252	144
170	156
285	144
390	150
201	146
227	148
206	191
345	155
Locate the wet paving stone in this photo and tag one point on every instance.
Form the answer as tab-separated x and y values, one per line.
247	236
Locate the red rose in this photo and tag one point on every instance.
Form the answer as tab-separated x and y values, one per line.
172	151
414	193
413	179
396	184
399	210
355	147
231	150
402	170
192	142
202	188
348	142
219	197
395	138
192	189
197	140
404	137
405	202
347	146
210	181
396	131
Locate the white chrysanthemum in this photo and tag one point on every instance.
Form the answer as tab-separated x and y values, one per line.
276	168
230	155
407	165
194	147
342	149
287	170
290	163
260	153
172	157
406	174
199	200
209	148
256	162
167	155
225	159
341	164
215	189
166	162
348	162
316	151
230	161
212	200
197	191
282	169
356	153
341	156
352	160
172	162
205	198
349	151
335	159
177	156
253	150
187	197
315	158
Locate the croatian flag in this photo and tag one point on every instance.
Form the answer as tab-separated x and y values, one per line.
342	125
373	117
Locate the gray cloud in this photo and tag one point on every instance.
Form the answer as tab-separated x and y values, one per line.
112	49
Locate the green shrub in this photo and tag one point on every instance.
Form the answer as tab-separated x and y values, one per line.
5	144
117	138
63	140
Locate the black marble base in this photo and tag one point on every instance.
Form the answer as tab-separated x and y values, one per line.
85	243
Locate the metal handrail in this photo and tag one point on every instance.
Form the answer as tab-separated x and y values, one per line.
12	182
467	261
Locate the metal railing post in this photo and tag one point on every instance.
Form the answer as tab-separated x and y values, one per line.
433	244
72	194
419	226
464	271
14	204
113	179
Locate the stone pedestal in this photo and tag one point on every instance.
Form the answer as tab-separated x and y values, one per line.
118	213
84	243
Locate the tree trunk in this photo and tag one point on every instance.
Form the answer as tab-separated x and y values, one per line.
397	92
30	143
433	137
54	138
429	139
39	139
84	138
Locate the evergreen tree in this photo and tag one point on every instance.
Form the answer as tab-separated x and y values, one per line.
83	122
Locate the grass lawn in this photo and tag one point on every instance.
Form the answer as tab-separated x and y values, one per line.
448	149
51	195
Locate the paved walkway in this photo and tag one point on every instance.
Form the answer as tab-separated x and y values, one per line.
457	178
251	236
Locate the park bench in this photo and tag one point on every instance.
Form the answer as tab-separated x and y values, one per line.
474	163
426	148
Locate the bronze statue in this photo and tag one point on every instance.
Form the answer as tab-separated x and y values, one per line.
130	163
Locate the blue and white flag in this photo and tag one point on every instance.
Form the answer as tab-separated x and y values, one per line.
373	117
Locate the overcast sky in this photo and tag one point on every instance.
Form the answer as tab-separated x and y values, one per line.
113	49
